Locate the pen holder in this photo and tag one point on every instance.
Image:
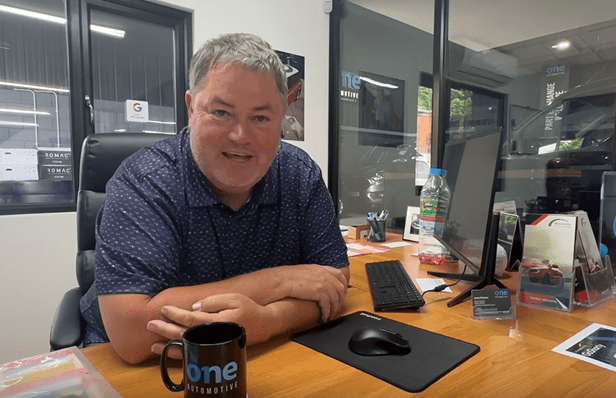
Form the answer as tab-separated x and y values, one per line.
377	231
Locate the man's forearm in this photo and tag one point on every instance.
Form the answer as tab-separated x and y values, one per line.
126	315
261	322
263	286
290	315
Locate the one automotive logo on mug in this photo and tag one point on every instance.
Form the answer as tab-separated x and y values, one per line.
206	380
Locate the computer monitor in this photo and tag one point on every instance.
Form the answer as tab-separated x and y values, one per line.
471	226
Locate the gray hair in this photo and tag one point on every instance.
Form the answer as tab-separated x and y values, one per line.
240	49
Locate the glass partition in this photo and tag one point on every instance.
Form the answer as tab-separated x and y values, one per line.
555	67
545	73
380	160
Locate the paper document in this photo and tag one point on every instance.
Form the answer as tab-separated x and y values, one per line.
431	283
595	344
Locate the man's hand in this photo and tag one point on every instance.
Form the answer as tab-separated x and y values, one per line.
232	307
323	284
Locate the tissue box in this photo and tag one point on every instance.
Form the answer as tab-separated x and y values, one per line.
358	231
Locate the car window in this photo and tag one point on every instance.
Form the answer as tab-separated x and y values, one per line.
574	123
588	122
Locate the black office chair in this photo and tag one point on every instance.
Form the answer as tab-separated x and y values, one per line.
101	155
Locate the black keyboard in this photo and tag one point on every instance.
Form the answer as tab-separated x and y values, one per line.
392	287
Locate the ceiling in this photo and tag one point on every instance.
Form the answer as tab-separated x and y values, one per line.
517	36
508	21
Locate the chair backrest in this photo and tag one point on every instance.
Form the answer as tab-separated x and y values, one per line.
101	155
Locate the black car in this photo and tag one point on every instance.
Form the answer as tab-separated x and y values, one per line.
553	162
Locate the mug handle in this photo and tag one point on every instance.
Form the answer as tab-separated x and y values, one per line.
163	367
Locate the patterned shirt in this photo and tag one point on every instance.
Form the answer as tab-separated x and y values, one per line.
162	226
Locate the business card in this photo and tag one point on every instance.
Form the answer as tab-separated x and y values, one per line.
492	304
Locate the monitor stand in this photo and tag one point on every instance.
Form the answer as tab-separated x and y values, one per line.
487	274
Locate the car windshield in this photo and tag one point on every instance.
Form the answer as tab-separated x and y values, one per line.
574	123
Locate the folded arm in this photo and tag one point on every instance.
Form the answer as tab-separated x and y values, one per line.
261	322
301	294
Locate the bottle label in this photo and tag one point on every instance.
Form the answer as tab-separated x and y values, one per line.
430	210
431	226
427	225
431	216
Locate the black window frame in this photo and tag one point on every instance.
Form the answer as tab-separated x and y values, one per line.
77	16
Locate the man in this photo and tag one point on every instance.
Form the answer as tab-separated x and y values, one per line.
223	222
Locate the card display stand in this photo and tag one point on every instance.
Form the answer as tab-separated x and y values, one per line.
594	276
510	233
594	287
545	272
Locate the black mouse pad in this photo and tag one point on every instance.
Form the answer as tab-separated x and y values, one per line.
432	355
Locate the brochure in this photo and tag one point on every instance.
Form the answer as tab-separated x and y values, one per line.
546	272
594	278
63	373
510	233
507	227
588	245
595	344
357	249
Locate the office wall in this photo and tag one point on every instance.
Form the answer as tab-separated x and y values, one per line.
37	251
37	265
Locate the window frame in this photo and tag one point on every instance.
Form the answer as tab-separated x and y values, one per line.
80	83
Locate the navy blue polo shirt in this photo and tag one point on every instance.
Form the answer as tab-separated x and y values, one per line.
162	226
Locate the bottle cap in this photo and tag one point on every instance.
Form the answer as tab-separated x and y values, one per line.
438	172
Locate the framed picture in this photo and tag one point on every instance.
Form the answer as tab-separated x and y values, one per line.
411	226
293	124
381	110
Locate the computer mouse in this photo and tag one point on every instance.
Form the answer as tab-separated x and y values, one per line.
373	340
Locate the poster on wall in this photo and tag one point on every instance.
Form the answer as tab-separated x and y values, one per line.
293	124
381	110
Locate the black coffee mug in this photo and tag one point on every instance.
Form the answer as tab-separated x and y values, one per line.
214	361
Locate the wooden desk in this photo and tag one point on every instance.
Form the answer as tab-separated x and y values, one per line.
515	358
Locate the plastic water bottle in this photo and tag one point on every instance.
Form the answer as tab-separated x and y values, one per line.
433	203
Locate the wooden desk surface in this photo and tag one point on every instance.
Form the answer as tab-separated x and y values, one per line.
515	358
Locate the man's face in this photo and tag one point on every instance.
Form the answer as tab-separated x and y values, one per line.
235	118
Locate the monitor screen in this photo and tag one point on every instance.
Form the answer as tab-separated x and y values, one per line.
471	165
